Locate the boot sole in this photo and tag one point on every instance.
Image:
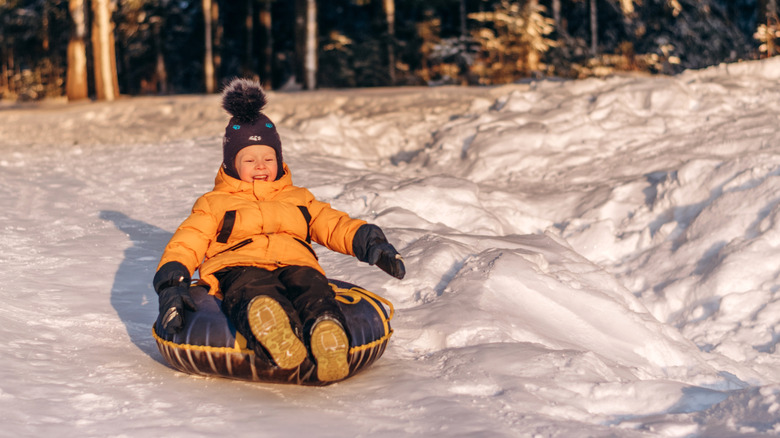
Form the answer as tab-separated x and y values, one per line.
329	346
271	327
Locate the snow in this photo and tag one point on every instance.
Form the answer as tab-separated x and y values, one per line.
584	258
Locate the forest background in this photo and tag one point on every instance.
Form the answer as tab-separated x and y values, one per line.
101	49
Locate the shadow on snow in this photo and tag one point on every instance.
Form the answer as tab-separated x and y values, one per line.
132	295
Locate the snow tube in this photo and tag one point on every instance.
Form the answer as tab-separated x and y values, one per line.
209	345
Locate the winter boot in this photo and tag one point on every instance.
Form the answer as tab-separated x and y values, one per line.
329	346
271	327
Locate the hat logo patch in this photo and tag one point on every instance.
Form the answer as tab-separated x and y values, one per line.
269	125
255	137
236	127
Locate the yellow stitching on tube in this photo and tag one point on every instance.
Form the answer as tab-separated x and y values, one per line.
204	348
371	345
351	293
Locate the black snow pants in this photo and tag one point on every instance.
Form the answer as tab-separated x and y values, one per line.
302	291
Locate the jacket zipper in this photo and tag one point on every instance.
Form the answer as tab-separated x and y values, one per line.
238	245
311	250
246	242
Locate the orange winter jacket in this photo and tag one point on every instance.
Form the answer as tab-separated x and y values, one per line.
263	224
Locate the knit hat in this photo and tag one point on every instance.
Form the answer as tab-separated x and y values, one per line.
243	99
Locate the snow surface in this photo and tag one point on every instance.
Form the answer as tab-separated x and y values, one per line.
585	258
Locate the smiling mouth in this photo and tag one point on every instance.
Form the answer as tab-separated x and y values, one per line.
260	177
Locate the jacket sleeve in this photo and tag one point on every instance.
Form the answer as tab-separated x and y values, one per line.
332	228
191	240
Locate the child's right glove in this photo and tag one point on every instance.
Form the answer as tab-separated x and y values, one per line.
172	284
370	245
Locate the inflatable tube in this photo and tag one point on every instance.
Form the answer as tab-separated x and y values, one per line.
209	345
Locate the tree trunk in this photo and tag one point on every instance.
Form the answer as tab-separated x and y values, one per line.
464	32
160	70
594	28
556	12
268	44
763	10
306	43
310	59
300	41
250	63
389	8
76	86
533	39
627	7
218	35
11	71
208	57
106	80
5	59
46	42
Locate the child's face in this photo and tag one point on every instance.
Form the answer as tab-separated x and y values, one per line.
256	163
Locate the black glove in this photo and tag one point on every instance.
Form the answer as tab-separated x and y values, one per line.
173	301
370	245
387	258
172	284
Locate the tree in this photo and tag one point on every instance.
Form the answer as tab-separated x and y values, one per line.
249	66
389	9
76	80
161	73
556	11
265	20
310	63
104	52
594	28
208	56
768	29
306	42
515	46
627	7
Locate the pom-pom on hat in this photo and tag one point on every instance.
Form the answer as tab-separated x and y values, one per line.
244	100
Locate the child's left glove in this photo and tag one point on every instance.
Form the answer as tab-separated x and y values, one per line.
370	245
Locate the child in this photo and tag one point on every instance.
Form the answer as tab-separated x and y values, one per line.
250	238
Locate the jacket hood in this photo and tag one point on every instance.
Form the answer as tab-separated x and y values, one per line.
259	189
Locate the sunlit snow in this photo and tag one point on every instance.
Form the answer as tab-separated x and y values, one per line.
584	258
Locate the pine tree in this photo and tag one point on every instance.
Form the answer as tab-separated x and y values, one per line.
514	43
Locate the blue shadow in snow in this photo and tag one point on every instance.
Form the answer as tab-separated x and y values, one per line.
132	295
